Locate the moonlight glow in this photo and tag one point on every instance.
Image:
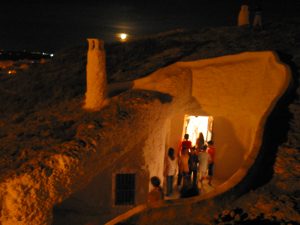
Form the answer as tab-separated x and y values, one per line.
123	36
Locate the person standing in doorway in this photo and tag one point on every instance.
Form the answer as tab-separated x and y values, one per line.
185	144
211	150
203	158
200	141
193	165
170	170
184	169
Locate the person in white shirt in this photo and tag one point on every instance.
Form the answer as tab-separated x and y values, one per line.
171	168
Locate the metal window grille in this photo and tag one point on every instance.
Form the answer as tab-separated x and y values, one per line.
125	189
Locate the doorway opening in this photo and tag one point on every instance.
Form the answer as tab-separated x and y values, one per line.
194	125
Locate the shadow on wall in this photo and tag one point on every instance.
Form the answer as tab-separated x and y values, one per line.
229	152
115	89
277	126
275	132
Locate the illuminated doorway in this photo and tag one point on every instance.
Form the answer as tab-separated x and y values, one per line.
193	125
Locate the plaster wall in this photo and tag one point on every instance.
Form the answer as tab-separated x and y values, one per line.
221	87
96	200
176	127
154	152
238	91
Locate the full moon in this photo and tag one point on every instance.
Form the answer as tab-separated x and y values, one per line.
123	36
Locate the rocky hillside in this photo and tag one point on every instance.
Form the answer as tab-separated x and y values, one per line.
41	109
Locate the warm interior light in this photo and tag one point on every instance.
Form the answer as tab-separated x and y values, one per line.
196	124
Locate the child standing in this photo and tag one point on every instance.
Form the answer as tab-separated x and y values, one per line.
156	194
170	170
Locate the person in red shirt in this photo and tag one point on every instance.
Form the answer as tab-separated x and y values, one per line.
187	145
211	150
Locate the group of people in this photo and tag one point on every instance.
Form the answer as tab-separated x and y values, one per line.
194	163
191	164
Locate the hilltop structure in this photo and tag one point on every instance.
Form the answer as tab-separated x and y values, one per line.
243	18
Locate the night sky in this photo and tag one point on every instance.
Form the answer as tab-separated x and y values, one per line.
41	25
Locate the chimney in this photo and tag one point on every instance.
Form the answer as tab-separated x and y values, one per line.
96	90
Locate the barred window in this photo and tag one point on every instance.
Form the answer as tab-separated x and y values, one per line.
125	189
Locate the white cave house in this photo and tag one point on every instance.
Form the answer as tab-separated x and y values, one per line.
234	94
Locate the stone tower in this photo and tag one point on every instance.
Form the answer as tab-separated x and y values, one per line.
96	90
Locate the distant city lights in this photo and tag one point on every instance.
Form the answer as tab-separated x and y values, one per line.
48	54
12	72
21	55
13	62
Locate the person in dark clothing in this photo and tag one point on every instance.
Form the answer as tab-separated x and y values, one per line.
193	165
191	189
200	141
